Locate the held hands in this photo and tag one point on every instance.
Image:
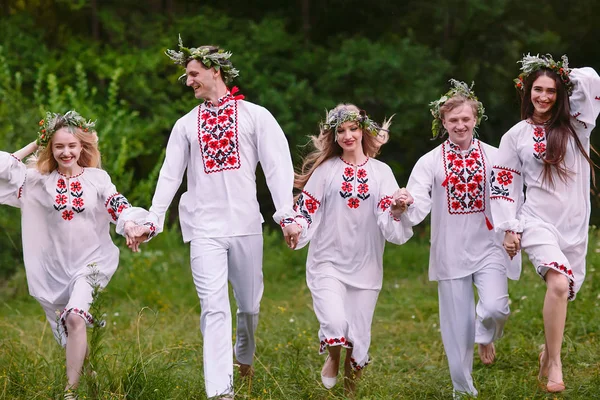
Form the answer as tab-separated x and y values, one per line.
401	199
512	243
135	234
291	233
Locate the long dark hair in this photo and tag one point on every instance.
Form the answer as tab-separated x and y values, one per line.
558	128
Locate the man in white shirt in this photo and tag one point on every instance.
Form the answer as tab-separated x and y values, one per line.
220	143
452	182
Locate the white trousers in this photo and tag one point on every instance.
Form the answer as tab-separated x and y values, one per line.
345	315
462	324
215	261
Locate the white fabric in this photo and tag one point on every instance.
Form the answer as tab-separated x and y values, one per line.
65	226
347	243
461	240
460	330
562	211
344	212
215	261
223	203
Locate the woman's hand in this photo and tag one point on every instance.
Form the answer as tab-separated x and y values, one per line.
512	243
401	199
135	234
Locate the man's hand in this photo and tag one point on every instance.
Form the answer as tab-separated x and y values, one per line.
291	233
135	234
401	199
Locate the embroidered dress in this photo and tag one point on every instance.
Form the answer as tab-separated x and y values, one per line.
454	186
65	228
221	145
344	213
554	221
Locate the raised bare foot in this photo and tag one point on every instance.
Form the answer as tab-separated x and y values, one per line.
487	353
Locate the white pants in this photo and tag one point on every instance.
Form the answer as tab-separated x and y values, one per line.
214	262
345	315
462	324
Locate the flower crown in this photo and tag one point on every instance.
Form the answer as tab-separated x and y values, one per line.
458	89
208	56
531	64
335	118
54	121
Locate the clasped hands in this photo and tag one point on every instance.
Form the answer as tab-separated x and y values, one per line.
135	234
401	199
512	243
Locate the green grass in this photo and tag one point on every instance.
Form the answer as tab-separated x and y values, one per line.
152	348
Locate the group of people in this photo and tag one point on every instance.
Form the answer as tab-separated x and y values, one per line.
348	204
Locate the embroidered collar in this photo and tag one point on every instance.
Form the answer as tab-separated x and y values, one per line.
457	148
352	165
229	96
72	176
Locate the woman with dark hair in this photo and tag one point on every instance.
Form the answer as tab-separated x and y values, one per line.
548	153
349	206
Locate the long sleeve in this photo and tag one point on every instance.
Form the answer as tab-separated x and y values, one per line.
506	185
394	230
12	179
420	184
276	162
308	206
585	100
171	174
119	209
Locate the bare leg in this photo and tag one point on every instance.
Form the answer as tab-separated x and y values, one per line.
555	315
76	349
350	375
332	364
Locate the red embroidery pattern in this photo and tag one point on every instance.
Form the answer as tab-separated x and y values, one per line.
539	142
356	366
218	135
77	199
115	204
385	203
565	271
347	188
577	114
465	178
89	320
501	183
341	341
60	201
597	97
306	205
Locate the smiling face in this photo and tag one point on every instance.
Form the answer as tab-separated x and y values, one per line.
66	149
349	137
459	123
201	79
543	97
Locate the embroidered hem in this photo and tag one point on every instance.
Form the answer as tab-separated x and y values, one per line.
341	341
563	270
87	317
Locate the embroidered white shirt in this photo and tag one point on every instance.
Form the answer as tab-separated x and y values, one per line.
454	186
65	224
344	213
221	146
565	209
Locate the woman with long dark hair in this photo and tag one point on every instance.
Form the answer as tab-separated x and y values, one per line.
548	153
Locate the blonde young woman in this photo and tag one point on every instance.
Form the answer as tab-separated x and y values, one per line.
67	204
349	206
548	153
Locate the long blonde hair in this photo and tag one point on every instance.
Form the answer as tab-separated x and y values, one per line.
44	160
326	147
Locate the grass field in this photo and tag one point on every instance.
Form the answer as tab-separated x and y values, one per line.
151	347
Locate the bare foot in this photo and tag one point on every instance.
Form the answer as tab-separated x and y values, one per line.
350	378
487	353
246	370
555	377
